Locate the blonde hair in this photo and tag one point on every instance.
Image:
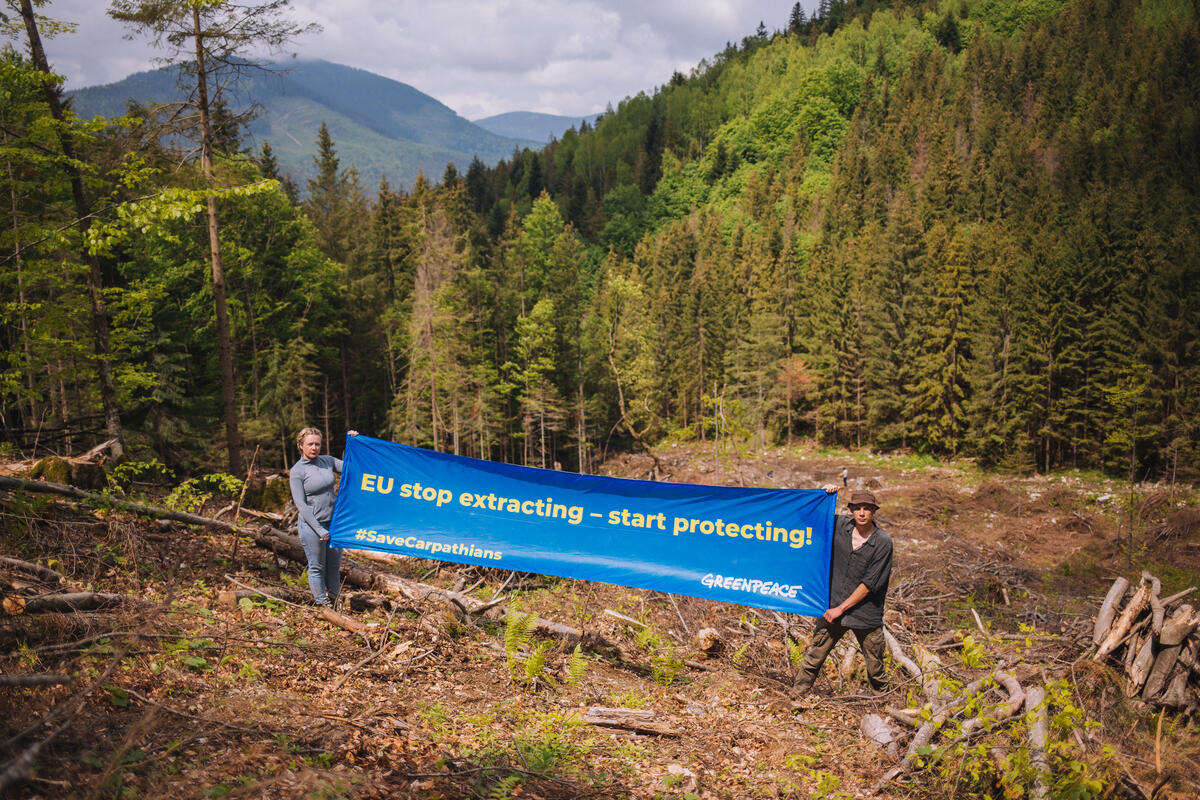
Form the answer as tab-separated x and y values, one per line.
305	433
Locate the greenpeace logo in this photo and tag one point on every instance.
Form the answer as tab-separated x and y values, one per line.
750	585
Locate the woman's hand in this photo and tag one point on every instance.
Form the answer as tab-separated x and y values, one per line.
352	433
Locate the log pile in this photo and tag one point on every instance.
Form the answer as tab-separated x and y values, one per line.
1154	640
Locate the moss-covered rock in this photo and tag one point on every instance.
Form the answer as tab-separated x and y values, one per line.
53	469
81	475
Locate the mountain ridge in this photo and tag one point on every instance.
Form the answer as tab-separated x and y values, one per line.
381	126
533	125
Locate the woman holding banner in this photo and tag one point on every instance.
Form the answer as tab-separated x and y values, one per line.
314	488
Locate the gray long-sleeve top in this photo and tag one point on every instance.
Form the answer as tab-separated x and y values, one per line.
312	483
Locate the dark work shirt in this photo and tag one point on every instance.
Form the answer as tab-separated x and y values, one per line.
870	565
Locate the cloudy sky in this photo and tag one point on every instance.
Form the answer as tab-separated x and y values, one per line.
479	57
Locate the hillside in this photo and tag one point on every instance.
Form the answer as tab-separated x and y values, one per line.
530	126
213	676
381	126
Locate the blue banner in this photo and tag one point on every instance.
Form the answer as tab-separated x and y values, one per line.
767	548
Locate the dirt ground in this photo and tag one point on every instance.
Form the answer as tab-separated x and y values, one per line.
186	695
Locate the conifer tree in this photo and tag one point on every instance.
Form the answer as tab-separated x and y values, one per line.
52	92
210	41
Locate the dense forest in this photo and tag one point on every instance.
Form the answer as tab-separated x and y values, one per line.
968	228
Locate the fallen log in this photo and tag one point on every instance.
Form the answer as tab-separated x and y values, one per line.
33	629
34	680
1035	706
639	720
879	731
71	602
923	736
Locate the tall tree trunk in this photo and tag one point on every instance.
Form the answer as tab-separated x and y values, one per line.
35	411
233	439
83	211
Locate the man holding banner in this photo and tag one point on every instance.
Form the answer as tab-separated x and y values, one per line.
859	571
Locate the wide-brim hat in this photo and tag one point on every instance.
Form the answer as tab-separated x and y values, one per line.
862	497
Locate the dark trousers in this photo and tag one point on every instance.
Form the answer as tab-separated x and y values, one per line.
870	641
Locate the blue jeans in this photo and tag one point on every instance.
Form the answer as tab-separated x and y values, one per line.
324	565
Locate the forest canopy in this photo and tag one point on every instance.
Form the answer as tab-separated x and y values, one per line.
965	228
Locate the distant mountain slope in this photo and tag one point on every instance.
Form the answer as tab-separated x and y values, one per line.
532	126
381	126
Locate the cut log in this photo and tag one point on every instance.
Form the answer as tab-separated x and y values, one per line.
1179	627
1179	692
709	641
632	719
378	557
1139	670
1137	604
1156	606
1108	609
1174	632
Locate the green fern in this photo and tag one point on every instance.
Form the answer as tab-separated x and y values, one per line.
576	666
535	665
647	639
518	633
795	653
665	664
739	656
503	789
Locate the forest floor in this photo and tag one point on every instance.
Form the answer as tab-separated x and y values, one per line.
189	695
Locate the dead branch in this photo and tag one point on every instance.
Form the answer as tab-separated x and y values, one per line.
326	613
45	574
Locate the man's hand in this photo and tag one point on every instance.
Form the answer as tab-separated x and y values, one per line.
830	488
831	615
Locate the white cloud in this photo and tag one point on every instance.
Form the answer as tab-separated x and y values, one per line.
480	57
